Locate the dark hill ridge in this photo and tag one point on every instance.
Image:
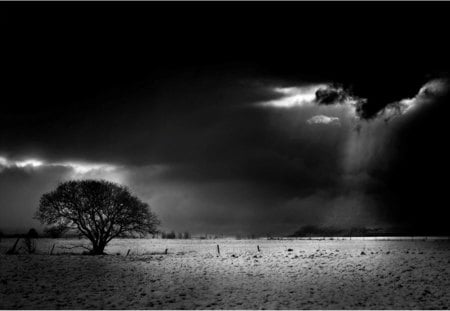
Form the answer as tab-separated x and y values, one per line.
329	231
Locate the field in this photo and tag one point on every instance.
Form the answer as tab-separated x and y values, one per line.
284	274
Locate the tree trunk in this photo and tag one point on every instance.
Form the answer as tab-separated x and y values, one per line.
98	248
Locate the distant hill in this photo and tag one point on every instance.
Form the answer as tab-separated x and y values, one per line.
328	231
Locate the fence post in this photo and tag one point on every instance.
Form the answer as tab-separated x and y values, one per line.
53	247
13	249
218	249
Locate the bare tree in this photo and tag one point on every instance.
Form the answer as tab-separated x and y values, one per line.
99	210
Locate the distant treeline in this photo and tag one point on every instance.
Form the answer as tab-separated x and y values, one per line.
173	235
60	232
54	233
205	236
328	231
32	233
47	233
305	231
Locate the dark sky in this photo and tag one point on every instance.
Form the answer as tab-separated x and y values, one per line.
231	117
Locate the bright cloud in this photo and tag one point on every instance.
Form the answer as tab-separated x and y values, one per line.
84	168
327	96
29	163
322	119
430	90
294	96
4	162
77	167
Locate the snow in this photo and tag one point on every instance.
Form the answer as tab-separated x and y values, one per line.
349	274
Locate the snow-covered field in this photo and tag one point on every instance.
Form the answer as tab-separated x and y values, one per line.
285	274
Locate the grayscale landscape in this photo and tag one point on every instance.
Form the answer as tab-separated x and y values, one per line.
236	155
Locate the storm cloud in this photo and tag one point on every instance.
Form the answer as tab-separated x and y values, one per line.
233	166
233	133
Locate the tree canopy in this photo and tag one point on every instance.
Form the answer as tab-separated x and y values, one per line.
99	210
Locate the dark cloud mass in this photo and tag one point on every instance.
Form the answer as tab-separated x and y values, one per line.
330	95
250	127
